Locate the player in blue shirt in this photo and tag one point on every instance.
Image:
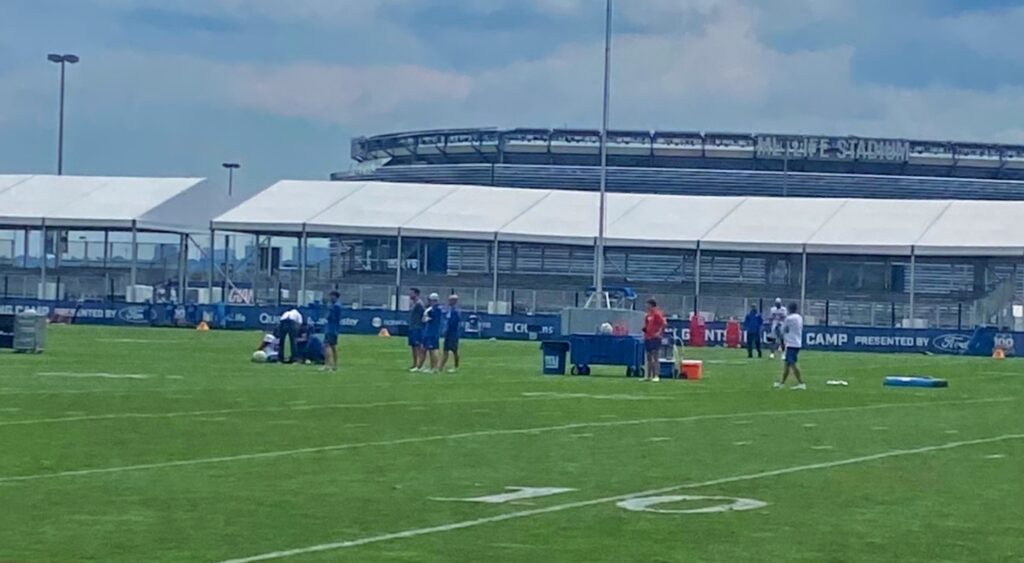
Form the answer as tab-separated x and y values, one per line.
432	331
331	332
416	311
451	333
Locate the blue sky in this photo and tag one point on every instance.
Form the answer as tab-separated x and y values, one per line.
176	87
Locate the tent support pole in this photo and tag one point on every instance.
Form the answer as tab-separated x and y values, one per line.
227	272
106	247
803	282
254	286
42	263
134	272
494	271
24	255
303	246
398	270
696	282
106	260
213	265
913	282
182	268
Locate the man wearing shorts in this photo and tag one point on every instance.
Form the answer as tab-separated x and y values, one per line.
777	316
331	332
416	311
793	335
432	318
451	334
654	329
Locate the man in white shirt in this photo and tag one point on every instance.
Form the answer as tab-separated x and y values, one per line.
776	316
288	329
793	337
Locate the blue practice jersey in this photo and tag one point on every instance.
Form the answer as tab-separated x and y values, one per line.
454	319
432	321
333	319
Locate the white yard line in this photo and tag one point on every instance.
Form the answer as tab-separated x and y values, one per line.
604	500
319	387
463	435
102	375
289	407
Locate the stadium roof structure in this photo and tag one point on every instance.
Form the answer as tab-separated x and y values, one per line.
174	205
730	223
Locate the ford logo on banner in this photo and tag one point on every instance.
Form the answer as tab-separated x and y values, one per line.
134	315
951	343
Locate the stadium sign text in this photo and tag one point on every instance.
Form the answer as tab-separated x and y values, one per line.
832	148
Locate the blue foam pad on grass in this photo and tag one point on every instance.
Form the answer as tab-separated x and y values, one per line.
914	381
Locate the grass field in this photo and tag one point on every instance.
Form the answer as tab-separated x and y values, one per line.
203	456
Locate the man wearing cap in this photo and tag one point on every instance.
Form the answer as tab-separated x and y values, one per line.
432	318
451	334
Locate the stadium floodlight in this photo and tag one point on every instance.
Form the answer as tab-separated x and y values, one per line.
63	61
231	167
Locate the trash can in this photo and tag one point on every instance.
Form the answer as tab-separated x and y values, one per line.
553	355
29	332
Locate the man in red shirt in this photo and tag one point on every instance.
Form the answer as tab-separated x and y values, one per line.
654	328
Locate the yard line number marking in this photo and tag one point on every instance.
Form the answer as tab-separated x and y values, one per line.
644	504
617	498
514	494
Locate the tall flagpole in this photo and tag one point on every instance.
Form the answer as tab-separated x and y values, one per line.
603	211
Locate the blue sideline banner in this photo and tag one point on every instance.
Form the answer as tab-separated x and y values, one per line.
509	327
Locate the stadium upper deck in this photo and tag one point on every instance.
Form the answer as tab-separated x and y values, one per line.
695	163
695	150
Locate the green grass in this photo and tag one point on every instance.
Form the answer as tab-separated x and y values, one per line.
389	442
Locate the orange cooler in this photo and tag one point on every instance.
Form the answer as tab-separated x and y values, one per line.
692	369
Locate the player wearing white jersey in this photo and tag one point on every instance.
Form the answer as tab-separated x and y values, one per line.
776	317
793	333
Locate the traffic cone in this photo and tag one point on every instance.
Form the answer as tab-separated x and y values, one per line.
203	327
384	333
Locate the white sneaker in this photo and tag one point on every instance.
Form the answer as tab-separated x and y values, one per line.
453	370
414	370
777	385
655	379
801	387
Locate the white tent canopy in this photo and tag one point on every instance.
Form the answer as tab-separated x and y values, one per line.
178	205
748	224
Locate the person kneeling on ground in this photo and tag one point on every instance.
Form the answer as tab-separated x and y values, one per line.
268	350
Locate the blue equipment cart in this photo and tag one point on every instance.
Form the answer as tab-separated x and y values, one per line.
587	350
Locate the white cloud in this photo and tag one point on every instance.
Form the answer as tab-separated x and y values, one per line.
335	12
340	94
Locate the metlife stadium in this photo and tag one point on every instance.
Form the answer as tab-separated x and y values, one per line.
865	289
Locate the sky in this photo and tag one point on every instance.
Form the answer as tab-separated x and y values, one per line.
174	88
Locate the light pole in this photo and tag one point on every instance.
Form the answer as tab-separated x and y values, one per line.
602	210
231	166
63	61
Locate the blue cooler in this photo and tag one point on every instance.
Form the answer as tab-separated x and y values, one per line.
553	354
